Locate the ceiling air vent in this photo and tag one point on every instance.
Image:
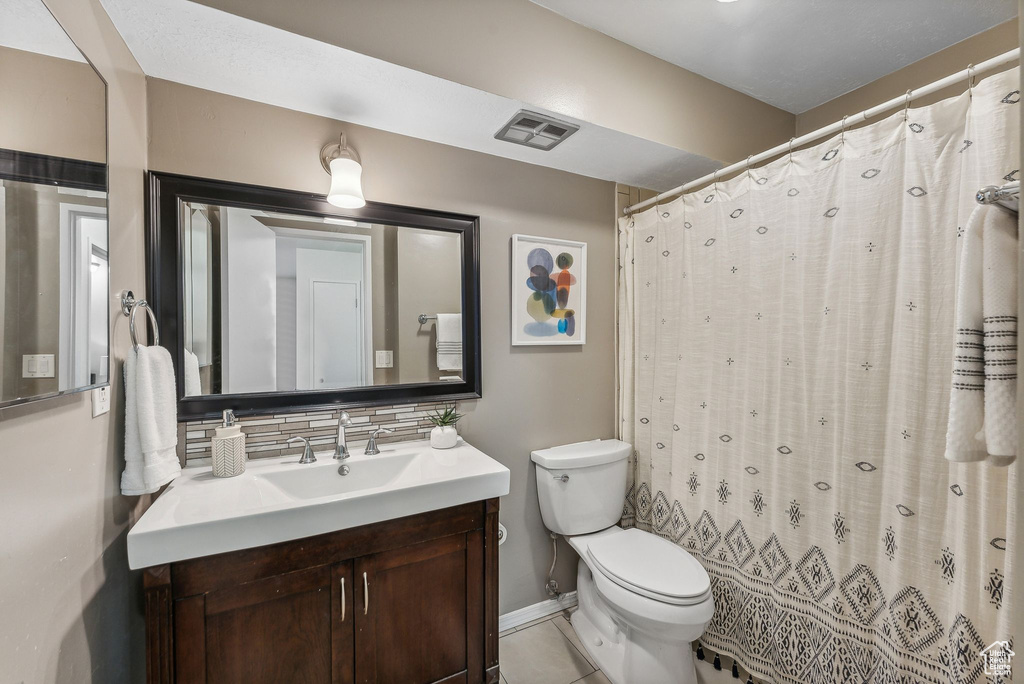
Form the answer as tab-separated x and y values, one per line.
535	130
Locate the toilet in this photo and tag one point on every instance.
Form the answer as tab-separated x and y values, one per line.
642	599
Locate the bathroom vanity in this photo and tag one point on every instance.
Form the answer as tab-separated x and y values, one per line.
380	568
296	573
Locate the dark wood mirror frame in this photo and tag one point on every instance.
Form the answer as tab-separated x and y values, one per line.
28	167
165	288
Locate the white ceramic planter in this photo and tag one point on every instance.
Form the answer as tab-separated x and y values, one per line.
444	437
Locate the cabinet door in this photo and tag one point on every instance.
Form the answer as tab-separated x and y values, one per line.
419	613
286	628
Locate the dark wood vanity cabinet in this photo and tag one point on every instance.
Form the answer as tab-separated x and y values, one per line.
410	601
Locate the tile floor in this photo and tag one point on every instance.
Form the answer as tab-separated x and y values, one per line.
547	651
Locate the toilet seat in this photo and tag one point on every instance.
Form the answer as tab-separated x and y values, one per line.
650	566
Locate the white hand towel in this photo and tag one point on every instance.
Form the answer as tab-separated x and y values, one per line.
449	329
983	405
449	361
449	341
150	422
193	385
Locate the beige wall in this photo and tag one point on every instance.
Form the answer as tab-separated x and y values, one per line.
564	67
59	108
974	50
430	282
533	397
31	248
71	610
382	251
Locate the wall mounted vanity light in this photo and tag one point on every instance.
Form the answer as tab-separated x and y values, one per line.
342	163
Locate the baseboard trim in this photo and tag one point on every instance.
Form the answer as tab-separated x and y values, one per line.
536	611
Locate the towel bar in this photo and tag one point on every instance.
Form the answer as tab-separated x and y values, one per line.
1007	196
129	305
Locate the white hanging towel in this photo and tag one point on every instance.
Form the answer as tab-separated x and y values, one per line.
983	400
193	384
150	421
449	341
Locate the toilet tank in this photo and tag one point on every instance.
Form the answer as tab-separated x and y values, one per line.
582	486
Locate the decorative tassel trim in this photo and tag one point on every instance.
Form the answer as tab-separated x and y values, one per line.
735	670
700	652
718	662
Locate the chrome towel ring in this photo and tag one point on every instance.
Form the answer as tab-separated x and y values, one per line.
129	307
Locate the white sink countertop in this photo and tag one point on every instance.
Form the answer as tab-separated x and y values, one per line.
277	500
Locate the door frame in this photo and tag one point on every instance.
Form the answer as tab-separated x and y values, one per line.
76	252
365	287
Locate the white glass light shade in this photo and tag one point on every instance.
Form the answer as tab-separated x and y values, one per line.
346	184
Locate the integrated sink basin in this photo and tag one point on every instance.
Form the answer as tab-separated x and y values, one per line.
311	482
277	499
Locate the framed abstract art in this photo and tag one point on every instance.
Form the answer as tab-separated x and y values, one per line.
549	291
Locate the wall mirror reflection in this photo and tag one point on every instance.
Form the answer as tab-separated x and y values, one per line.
316	303
54	252
288	303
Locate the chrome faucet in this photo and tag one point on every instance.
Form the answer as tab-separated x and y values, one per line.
371	446
307	454
341	451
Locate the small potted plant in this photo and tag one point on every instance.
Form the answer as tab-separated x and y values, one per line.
444	435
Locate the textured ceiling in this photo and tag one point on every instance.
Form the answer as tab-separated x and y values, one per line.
202	47
27	25
794	54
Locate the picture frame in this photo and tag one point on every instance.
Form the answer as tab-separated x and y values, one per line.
548	291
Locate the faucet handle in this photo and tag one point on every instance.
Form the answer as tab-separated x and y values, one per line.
307	454
344	418
371	445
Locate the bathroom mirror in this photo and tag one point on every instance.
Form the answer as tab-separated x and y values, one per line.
54	262
273	299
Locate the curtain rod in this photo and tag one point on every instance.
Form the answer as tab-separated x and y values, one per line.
847	121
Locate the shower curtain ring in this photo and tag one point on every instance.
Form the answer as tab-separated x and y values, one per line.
970	82
906	106
842	130
791	150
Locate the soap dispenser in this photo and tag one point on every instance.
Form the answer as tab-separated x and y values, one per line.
228	447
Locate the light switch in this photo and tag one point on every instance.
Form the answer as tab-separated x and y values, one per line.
37	366
385	359
100	401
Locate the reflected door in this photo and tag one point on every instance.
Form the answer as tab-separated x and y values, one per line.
337	335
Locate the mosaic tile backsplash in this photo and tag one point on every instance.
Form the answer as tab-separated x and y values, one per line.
267	435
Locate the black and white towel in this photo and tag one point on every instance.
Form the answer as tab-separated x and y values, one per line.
983	399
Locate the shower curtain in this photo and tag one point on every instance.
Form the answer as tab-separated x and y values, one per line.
785	353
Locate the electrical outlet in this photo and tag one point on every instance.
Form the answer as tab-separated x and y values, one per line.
384	359
100	401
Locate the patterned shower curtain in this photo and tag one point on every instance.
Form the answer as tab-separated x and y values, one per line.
785	349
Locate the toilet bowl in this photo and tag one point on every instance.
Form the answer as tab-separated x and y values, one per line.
642	599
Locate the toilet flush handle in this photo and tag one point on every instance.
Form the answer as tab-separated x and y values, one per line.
563	478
